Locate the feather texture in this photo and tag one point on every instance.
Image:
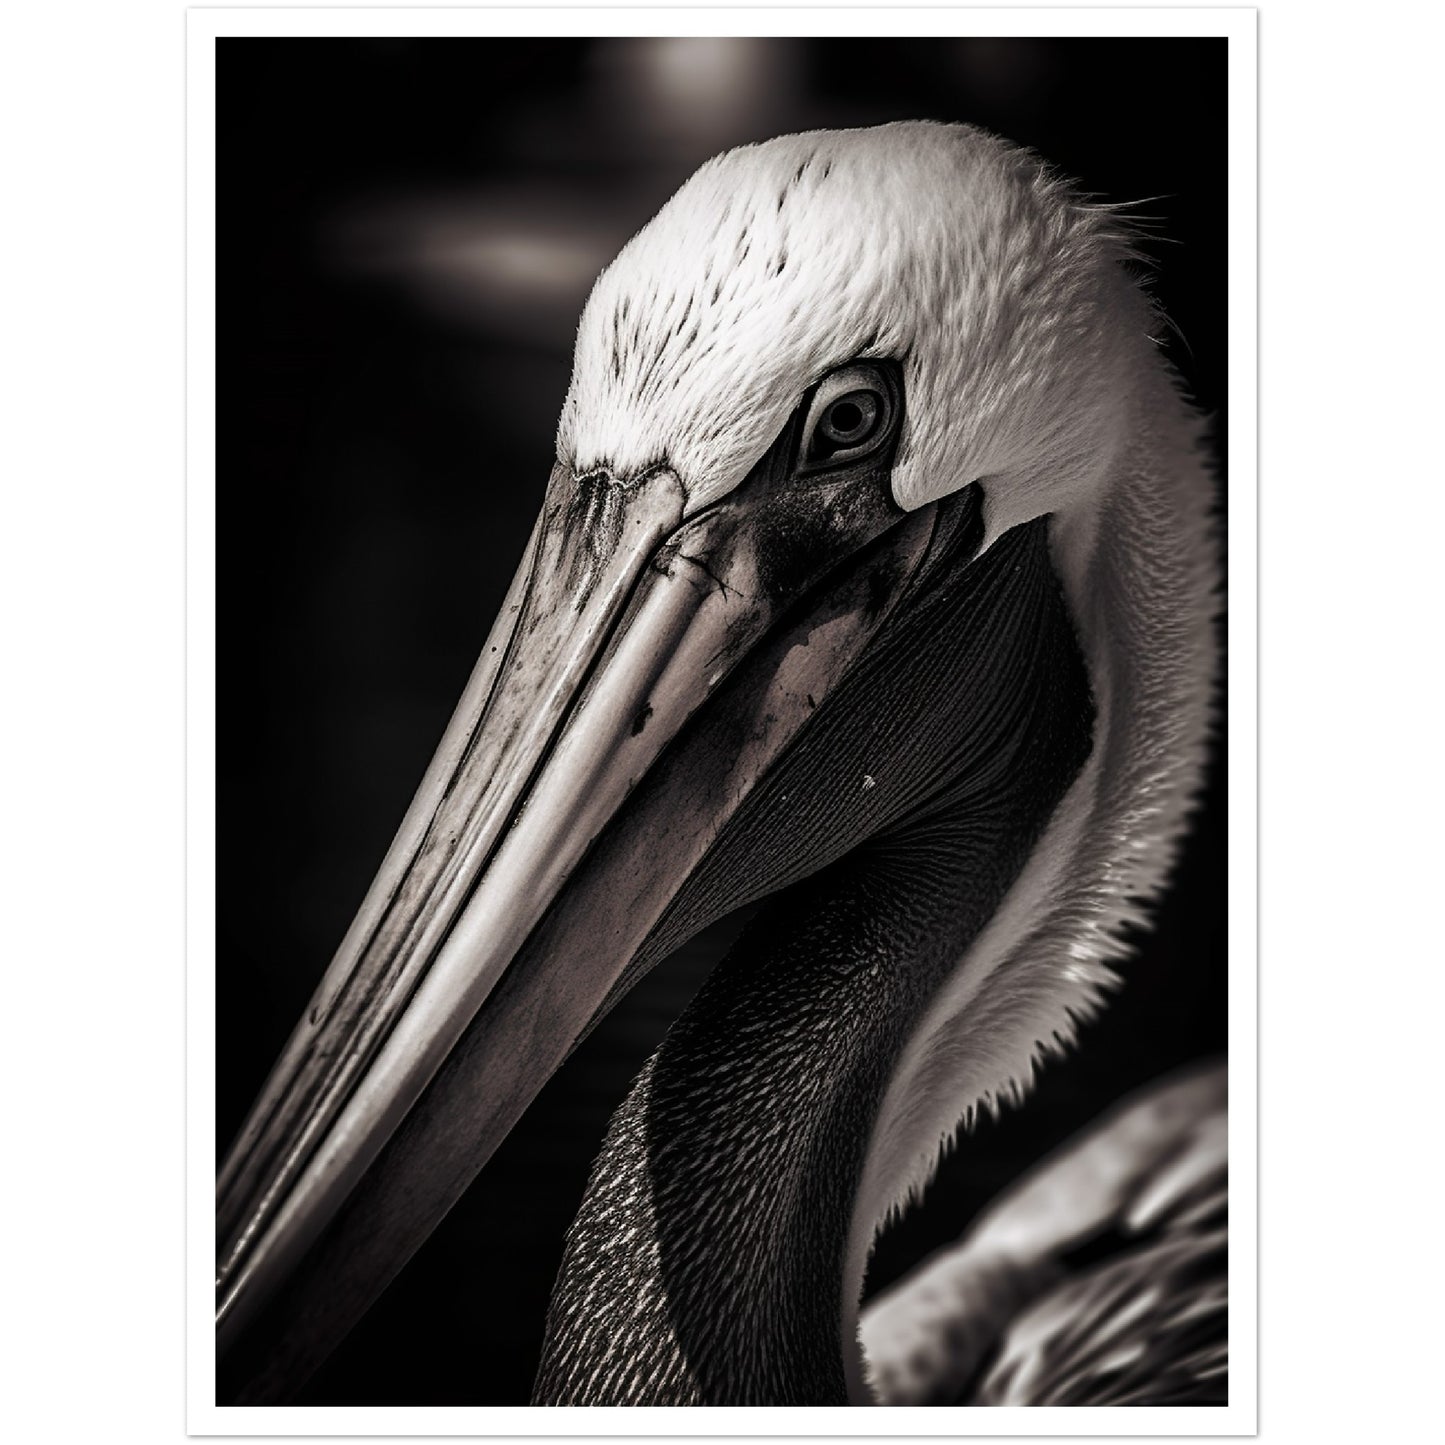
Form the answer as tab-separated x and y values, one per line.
999	288
1099	1279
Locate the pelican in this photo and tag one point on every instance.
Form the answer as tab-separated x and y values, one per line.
874	578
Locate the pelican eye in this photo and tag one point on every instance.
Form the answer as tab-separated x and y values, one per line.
850	414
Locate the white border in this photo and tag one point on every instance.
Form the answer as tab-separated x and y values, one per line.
203	28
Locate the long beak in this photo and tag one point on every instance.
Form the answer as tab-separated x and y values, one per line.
645	671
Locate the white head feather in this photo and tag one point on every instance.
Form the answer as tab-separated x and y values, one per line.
999	290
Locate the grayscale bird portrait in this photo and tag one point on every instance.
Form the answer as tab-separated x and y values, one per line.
721	891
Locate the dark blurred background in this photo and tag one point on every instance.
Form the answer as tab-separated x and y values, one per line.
407	232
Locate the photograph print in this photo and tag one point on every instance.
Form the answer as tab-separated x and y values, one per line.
721	743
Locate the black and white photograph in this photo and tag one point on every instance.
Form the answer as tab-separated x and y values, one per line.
721	620
719	722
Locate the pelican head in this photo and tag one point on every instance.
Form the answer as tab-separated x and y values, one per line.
873	573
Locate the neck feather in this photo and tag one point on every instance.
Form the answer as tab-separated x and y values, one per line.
1140	574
